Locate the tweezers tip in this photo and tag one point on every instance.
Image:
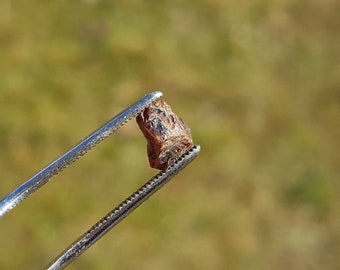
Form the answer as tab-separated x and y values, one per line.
156	94
195	150
185	159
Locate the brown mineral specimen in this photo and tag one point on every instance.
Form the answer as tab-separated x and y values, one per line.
167	135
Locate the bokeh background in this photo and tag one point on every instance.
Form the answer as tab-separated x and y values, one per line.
258	83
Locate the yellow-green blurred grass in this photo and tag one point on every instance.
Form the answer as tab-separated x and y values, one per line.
257	82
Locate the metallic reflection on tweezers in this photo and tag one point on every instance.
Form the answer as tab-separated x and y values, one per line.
120	212
42	177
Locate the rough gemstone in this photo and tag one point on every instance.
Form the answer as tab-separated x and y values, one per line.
168	137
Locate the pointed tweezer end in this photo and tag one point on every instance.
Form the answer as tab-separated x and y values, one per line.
105	224
54	168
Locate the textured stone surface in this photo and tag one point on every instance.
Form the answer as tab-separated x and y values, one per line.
168	137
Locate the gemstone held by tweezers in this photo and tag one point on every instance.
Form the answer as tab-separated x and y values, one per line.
168	137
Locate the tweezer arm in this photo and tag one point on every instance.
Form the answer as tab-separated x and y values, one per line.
42	177
120	212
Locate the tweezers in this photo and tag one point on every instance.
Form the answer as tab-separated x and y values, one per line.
122	210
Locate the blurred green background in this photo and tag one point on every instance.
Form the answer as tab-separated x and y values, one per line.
258	83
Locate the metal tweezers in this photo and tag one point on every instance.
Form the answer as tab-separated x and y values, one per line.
122	210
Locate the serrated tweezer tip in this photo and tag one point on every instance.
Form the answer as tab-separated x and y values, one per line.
105	224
